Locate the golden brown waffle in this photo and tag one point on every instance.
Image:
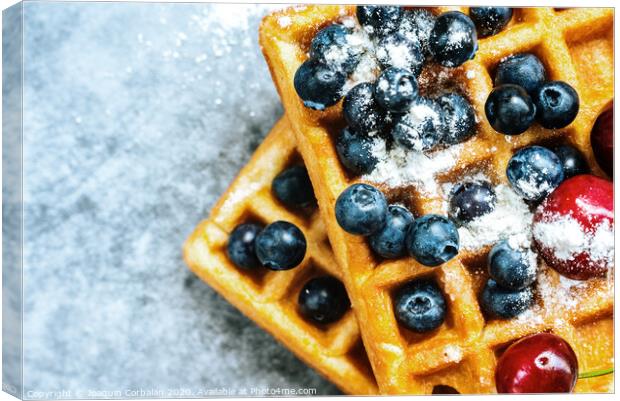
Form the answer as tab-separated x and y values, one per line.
270	297
576	46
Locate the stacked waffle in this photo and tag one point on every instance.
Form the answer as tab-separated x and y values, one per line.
461	355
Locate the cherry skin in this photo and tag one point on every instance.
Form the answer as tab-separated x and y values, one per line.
590	201
538	363
602	140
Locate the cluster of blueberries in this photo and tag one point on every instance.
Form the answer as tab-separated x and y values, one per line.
533	172
413	34
392	103
508	291
392	231
282	246
403	41
362	209
522	95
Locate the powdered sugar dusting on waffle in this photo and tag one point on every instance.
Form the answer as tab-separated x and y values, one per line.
397	53
511	219
241	193
453	353
368	68
398	167
284	21
564	295
566	237
531	317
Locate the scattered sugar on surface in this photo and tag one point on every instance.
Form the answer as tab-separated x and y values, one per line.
453	353
552	295
419	117
242	192
568	283
531	188
565	294
391	348
368	68
366	71
566	237
602	244
531	317
395	54
349	21
398	167
284	21
510	219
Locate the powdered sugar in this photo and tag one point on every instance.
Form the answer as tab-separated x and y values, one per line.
367	70
602	244
511	219
453	353
554	296
567	238
398	167
396	51
531	187
284	21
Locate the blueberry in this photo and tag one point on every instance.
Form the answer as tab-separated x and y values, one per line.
432	240
534	172
511	268
422	128
459	118
453	39
471	200
361	110
573	161
510	110
323	300
281	246
420	306
490	20
355	152
523	69
395	89
417	25
557	104
505	303
293	187
398	51
361	209
331	47
389	242
318	85
379	20
241	246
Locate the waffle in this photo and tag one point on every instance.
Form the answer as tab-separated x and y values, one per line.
270	297
576	46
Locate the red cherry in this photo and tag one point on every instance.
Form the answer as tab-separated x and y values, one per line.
573	227
602	140
538	363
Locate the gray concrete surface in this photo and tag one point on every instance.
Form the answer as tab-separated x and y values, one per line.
136	118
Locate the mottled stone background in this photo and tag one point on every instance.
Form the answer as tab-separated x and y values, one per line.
136	118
